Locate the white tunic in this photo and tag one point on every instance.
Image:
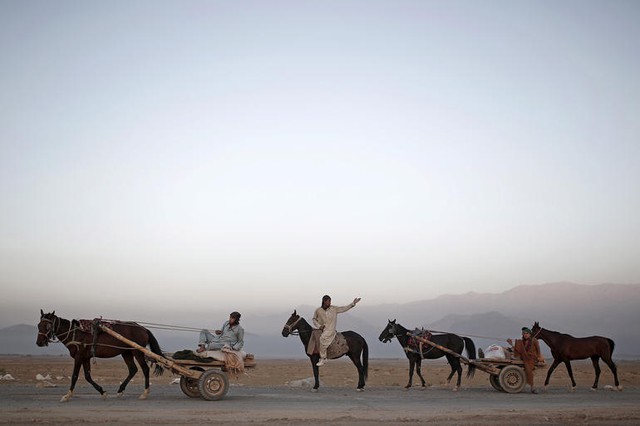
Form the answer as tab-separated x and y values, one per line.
329	319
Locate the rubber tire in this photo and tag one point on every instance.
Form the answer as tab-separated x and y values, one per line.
495	382
512	379
189	387
213	385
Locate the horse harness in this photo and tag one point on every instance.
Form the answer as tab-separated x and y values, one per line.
290	327
417	345
91	327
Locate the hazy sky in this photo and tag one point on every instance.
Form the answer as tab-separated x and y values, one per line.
235	154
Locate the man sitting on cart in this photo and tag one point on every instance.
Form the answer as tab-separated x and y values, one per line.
231	334
528	350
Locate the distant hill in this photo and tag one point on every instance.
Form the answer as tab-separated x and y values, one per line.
581	310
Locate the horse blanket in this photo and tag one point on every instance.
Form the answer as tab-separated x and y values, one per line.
336	349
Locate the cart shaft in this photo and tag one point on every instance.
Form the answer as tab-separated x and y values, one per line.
194	374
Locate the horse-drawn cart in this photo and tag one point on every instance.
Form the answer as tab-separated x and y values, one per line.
207	380
505	375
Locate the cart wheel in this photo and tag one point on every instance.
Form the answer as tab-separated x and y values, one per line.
190	386
512	379
495	382
213	385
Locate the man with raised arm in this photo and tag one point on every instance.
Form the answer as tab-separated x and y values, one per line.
325	318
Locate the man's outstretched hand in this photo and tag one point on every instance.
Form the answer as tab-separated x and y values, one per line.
356	300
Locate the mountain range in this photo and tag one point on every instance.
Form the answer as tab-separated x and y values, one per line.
609	310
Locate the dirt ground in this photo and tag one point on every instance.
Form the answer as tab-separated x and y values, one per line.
277	391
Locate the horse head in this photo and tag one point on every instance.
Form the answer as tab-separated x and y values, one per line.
536	329
291	324
47	328
389	332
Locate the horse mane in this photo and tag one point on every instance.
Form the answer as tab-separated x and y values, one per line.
557	333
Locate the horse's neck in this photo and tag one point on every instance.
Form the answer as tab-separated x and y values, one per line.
64	333
401	334
304	330
549	337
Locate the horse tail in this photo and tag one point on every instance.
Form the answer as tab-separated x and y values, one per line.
155	348
365	358
471	353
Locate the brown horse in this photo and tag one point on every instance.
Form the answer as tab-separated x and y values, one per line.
83	345
566	348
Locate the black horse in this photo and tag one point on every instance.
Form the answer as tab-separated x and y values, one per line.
566	348
356	343
447	340
83	345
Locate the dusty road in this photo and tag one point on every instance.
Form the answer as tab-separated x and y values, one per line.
266	395
25	404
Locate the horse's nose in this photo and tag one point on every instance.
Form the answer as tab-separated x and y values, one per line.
285	332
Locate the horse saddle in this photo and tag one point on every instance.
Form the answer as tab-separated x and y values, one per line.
336	349
417	345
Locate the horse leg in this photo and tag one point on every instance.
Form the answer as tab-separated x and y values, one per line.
316	371
412	364
74	379
355	358
455	366
614	369
128	359
612	366
145	370
555	363
570	371
596	367
86	366
419	371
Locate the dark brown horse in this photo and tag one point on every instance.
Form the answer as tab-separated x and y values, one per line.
448	340
83	345
357	347
566	348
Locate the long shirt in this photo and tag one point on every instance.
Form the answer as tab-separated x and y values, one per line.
329	319
232	335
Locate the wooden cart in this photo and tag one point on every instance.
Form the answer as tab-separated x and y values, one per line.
207	380
505	375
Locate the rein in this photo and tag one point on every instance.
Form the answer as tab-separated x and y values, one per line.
297	332
293	324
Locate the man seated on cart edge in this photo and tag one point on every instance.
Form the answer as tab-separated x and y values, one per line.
231	334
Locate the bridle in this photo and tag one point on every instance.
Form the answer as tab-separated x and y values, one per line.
290	327
537	333
52	330
391	330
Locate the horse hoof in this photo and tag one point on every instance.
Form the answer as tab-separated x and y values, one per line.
359	390
66	397
594	389
573	389
455	389
104	396
620	388
119	394
314	390
144	394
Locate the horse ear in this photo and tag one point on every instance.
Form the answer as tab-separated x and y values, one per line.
394	321
41	313
53	313
294	312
